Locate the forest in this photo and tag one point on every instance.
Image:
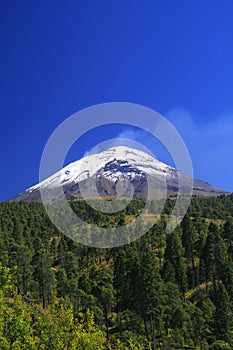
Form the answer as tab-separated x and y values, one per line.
161	291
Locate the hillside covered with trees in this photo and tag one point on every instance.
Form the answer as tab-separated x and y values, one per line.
162	291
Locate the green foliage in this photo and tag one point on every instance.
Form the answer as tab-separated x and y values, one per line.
221	345
160	292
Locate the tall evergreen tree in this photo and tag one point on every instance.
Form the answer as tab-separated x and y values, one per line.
174	260
45	277
223	323
152	297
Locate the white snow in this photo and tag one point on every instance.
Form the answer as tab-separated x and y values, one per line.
89	165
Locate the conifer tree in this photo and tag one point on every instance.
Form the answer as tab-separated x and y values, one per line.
174	260
223	319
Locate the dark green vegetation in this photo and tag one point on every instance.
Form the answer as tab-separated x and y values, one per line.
160	292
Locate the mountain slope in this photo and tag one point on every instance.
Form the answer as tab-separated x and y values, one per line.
118	170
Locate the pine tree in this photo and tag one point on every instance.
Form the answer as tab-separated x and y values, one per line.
174	260
152	297
228	235
189	238
45	277
223	323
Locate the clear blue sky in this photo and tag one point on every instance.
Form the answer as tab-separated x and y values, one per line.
58	57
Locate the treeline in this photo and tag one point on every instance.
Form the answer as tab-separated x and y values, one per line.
161	291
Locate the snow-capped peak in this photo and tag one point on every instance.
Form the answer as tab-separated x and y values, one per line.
88	166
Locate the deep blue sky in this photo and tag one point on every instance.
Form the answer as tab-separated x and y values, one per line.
58	57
